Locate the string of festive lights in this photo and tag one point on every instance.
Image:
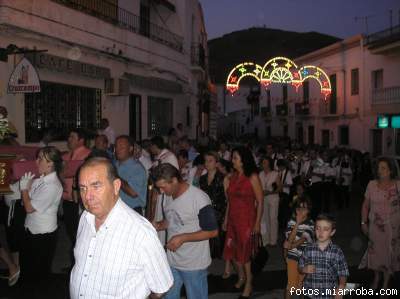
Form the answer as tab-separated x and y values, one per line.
278	70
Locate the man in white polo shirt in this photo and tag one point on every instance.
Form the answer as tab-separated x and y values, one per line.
117	252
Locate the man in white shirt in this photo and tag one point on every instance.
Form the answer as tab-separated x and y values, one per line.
117	252
105	129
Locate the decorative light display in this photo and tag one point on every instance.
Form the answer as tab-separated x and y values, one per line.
278	70
239	72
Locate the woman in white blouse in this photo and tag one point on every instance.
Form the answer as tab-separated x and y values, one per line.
41	198
271	185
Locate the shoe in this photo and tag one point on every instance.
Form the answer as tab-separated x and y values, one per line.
226	275
240	283
12	280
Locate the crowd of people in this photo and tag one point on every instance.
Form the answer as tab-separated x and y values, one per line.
201	202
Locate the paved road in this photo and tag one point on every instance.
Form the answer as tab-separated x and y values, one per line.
269	284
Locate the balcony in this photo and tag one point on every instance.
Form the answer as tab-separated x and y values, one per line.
282	110
302	109
386	100
198	56
111	13
384	42
327	109
265	112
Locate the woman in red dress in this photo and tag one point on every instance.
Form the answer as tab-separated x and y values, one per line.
243	215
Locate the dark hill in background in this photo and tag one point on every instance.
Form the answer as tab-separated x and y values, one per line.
259	45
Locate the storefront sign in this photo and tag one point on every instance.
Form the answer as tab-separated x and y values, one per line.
24	78
73	67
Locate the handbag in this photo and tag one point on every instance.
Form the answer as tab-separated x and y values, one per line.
259	254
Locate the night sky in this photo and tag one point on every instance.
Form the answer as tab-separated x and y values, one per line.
333	17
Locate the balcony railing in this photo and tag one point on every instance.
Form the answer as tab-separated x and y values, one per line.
384	35
389	95
111	13
198	56
302	109
282	110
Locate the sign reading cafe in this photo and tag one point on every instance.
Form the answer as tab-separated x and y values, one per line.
24	78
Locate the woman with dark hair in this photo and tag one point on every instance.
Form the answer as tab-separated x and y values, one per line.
380	221
41	198
212	183
243	215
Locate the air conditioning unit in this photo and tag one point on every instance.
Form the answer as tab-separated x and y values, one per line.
116	87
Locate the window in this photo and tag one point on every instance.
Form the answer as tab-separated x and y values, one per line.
377	79
344	135
145	18
61	107
284	94
333	97
354	81
159	116
306	92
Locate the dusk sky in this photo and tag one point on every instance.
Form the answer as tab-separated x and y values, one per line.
333	17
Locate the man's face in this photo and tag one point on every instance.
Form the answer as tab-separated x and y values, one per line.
73	141
324	230
100	143
98	194
123	150
154	149
270	149
167	187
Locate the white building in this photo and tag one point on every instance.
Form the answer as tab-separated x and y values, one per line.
365	78
142	64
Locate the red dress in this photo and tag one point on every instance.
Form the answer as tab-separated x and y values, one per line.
241	219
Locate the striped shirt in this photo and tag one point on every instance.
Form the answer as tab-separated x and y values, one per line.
330	264
305	230
123	259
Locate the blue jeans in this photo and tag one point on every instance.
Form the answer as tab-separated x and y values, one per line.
195	284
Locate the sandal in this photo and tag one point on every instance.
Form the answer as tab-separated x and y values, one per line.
13	279
240	283
226	275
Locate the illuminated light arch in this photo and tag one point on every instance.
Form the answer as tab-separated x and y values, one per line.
314	72
240	71
280	70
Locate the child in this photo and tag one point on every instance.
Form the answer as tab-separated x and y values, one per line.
323	262
299	232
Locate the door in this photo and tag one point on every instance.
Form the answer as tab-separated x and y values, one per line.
300	134
377	142
135	117
325	138
310	135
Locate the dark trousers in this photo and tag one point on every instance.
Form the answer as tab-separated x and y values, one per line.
71	219
317	194
284	209
15	232
344	196
37	255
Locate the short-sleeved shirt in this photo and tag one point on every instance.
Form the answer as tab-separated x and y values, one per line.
122	259
330	264
182	216
134	174
45	195
304	230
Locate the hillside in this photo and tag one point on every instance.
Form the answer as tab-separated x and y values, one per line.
259	45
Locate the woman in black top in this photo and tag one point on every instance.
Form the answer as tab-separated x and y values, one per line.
212	183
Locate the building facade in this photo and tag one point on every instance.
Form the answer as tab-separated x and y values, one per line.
365	78
142	64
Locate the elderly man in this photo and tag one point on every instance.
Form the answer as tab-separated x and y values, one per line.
117	253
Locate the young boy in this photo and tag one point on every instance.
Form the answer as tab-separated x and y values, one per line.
323	263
